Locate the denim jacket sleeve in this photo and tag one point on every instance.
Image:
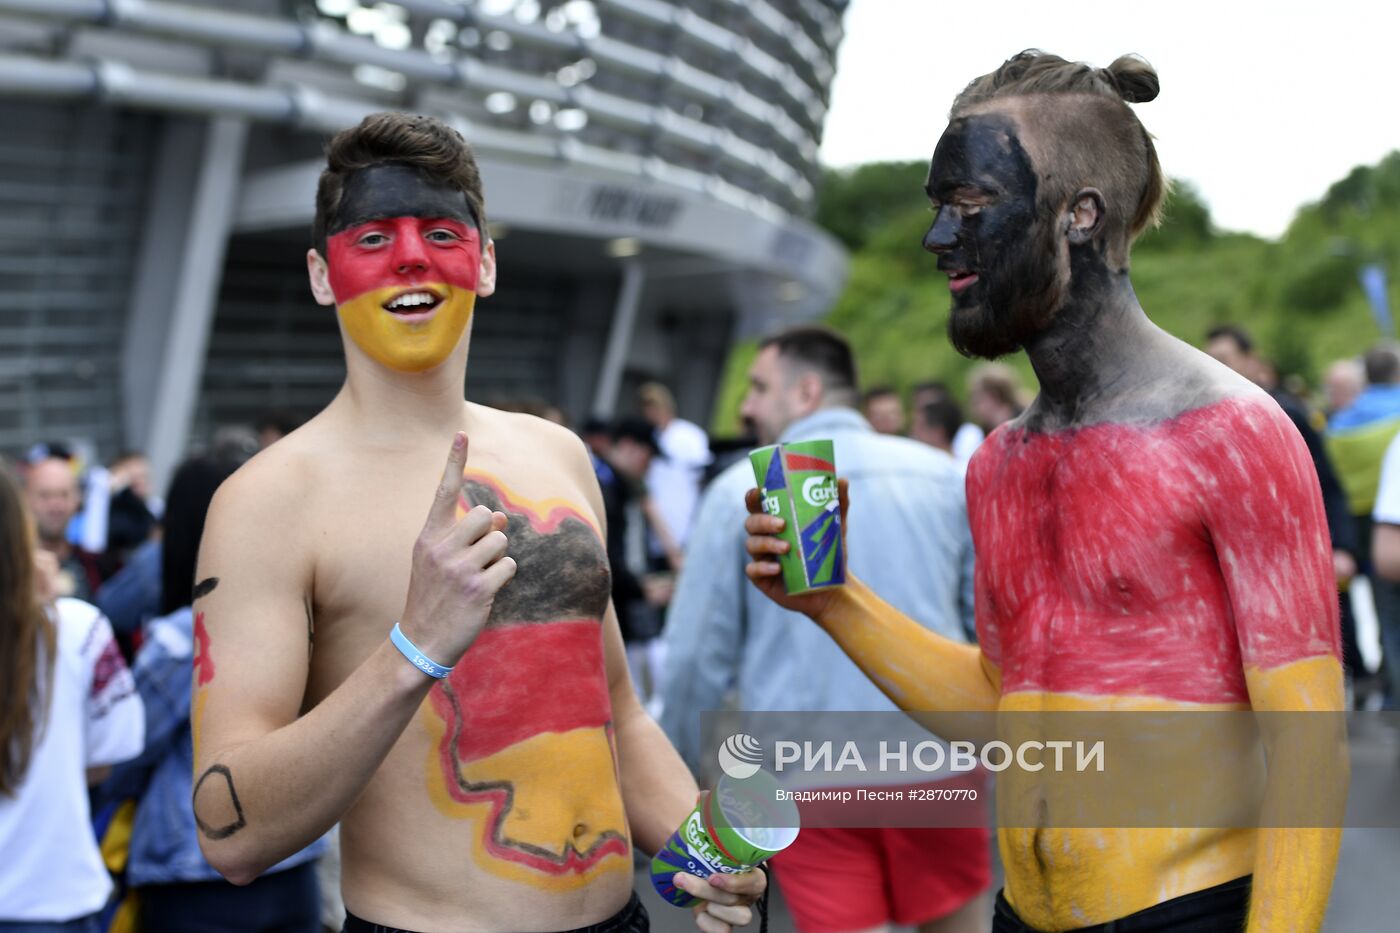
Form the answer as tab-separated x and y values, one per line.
163	671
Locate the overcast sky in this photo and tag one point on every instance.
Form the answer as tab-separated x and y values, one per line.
1263	105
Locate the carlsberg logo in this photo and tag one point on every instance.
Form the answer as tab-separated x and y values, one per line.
818	490
698	841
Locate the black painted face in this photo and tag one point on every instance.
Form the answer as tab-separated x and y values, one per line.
998	252
396	190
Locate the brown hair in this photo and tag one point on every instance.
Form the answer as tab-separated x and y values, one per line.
422	142
27	641
1096	140
821	349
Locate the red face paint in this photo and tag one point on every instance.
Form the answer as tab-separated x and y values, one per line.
405	287
1155	560
396	252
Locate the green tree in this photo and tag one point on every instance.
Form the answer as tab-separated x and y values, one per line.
855	203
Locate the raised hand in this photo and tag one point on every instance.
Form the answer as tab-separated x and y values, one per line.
764	546
458	568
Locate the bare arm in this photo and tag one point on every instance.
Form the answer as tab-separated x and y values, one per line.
1264	513
917	669
1308	774
268	783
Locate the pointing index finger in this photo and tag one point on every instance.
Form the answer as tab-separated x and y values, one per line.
443	514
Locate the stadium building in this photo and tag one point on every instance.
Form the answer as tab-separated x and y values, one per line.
648	167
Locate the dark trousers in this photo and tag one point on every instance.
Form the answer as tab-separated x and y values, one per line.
1221	909
630	919
284	902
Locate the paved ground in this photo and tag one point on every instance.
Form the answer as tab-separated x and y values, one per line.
1365	895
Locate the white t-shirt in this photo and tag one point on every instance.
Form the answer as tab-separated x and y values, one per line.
673	479
51	868
1387	508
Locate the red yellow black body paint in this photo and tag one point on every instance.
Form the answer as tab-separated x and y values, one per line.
203	660
203	674
1184	566
1185	552
523	740
1176	566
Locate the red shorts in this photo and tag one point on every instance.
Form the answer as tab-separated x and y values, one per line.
836	880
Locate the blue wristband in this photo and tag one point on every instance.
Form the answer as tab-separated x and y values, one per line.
417	658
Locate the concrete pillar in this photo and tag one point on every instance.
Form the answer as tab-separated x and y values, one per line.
176	286
624	322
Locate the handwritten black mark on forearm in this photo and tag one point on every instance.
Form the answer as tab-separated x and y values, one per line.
219	832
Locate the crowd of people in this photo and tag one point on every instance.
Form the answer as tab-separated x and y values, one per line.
207	695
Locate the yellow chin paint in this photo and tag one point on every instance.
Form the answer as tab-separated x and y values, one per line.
399	342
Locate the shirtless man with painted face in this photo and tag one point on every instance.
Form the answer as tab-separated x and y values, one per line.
1149	532
508	794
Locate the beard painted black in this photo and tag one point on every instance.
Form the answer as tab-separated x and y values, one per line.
987	223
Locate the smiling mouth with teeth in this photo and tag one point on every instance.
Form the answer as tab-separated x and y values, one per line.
414	302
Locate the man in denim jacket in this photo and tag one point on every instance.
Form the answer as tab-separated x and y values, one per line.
910	524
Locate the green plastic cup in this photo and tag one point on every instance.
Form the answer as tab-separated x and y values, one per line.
798	484
732	829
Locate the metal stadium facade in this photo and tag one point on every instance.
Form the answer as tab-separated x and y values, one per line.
648	167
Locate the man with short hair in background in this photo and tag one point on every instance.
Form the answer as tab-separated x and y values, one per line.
1342	383
966	436
936	423
909	530
51	491
884	409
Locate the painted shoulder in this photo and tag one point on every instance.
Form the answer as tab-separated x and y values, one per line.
1252	422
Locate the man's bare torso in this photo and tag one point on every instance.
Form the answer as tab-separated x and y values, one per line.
1131	566
499	806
